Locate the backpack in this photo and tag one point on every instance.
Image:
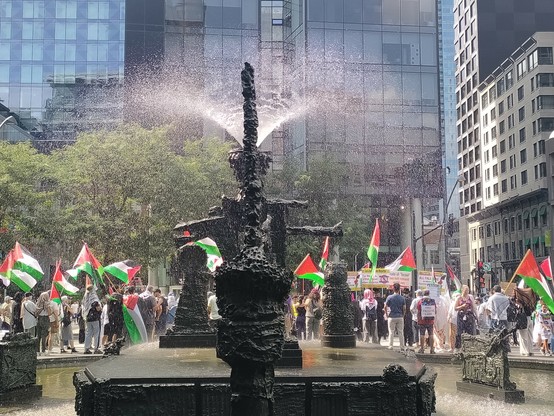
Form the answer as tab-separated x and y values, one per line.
511	311
370	313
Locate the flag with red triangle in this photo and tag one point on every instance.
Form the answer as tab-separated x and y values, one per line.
61	283
529	271
453	277
324	254
87	263
404	263
308	270
546	268
373	250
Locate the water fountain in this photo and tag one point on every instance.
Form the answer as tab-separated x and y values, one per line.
251	288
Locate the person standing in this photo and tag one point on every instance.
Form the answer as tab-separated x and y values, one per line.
498	307
300	318
67	328
465	309
413	310
382	329
147	307
91	316
368	305
54	318
395	308
426	313
161	312
453	321
408	331
17	319
213	310
43	325
314	307
29	318
6	313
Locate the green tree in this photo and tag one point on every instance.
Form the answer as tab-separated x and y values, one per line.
123	191
26	198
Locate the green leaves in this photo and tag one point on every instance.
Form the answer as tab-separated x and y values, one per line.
121	191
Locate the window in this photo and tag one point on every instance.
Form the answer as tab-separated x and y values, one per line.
512	161
511	121
504	185
542	170
503	166
487	174
493	133
545	102
493	114
494	151
501	108
500	87
546	124
511	141
520	93
521	114
523	156
513	182
501	130
495	170
532	60
495	189
524	177
485	100
521	68
544	56
544	80
509	79
503	146
522	135
510	101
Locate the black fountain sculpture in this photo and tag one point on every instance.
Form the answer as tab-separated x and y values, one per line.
191	328
485	367
338	316
251	289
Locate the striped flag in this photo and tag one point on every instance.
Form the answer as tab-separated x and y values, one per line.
373	250
123	270
308	270
210	247
528	270
404	263
324	254
453	277
87	263
133	320
61	284
21	268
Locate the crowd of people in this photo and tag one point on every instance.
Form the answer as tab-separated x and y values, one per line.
435	323
97	320
417	320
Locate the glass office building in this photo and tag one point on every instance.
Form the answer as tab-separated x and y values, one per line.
61	65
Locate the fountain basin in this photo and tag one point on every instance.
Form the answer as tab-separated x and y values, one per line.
147	380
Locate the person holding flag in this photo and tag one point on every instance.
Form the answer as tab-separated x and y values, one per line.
91	310
373	250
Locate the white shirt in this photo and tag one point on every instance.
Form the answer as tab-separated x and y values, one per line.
212	306
413	307
498	305
28	309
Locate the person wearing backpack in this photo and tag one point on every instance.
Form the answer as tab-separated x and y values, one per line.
368	305
426	313
314	307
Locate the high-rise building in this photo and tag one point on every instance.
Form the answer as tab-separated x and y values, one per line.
357	79
486	34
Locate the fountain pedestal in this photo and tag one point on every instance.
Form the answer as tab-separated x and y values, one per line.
18	369
485	368
191	329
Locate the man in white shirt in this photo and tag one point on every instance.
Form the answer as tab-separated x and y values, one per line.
28	311
213	310
498	307
413	310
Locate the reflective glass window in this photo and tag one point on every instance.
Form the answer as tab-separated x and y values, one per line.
334	11
391	12
428	49
103	10
26	51
373	47
316	11
194	11
26	74
427	13
353	46
249	14
429	89
92	10
27	32
410	12
5	30
5	9
231	17
174	10
4	74
353	11
28	10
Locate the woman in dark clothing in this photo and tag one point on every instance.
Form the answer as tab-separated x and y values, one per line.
115	317
300	319
382	327
408	332
358	320
17	321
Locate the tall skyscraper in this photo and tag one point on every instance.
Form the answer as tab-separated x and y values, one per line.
486	34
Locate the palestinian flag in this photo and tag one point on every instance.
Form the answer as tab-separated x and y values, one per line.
324	254
133	320
373	250
546	268
123	270
453	277
55	294
87	263
529	271
61	284
214	256
404	263
21	268
308	270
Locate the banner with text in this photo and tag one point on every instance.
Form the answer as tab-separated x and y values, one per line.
383	278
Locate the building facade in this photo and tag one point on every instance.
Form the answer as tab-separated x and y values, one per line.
358	79
486	34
